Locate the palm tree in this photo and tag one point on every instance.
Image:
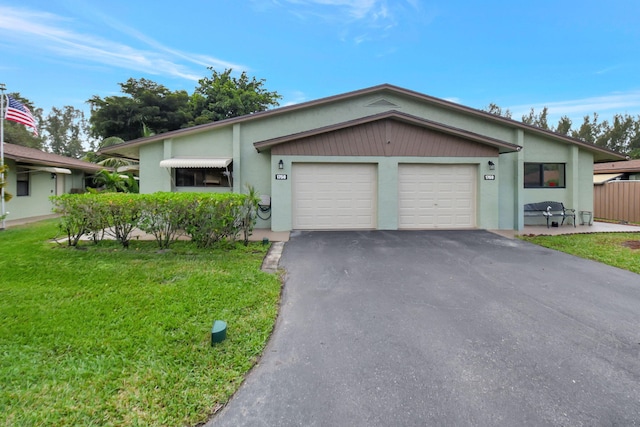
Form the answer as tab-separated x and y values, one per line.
111	181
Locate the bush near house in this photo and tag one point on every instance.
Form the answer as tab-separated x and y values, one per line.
207	218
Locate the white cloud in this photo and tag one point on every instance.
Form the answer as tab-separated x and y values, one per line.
619	102
371	13
295	97
34	31
605	106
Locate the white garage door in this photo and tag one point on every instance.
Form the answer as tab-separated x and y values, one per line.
436	196
334	196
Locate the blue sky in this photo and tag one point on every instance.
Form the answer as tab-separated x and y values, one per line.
576	57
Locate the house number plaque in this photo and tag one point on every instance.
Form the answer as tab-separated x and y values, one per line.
280	176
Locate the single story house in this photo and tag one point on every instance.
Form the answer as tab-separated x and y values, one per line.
624	171
34	176
382	158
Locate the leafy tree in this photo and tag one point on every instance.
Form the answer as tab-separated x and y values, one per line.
564	125
114	182
222	96
93	157
146	104
538	120
589	130
623	134
496	110
65	130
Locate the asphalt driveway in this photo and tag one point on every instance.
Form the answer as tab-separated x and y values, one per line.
393	328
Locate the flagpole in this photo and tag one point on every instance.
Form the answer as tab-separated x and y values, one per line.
2	174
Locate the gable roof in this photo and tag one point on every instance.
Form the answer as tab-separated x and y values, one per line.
37	157
504	147
617	167
130	148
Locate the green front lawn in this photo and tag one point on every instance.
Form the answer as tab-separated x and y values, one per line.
106	336
620	250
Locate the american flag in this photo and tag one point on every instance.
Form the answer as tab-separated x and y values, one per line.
18	112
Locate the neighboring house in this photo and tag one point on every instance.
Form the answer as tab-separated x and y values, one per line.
379	158
34	176
625	171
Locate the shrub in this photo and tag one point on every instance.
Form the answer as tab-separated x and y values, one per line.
122	213
214	218
81	214
249	213
208	218
164	215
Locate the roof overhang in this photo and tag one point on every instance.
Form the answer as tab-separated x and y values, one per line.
49	169
503	147
184	162
601	178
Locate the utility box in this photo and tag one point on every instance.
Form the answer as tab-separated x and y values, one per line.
218	332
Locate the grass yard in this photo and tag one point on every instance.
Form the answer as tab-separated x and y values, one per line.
620	250
111	337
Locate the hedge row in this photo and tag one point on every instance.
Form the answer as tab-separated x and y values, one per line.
208	218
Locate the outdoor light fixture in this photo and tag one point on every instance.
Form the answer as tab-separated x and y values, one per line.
280	164
492	165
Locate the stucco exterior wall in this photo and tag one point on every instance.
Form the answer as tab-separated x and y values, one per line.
41	187
499	201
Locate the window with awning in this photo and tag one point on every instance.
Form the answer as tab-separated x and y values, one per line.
200	172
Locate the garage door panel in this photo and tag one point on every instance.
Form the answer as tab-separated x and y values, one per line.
436	196
334	196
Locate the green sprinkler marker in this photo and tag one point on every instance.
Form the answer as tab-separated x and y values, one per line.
218	332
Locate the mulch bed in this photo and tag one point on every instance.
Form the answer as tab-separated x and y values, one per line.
633	244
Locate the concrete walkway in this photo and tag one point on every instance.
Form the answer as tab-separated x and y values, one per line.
597	227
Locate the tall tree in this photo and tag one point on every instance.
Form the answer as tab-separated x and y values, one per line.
496	110
539	120
222	96
146	104
622	134
564	125
66	130
589	130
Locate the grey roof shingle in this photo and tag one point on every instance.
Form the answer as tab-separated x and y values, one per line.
37	157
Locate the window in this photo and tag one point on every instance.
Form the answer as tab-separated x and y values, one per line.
202	177
23	182
544	175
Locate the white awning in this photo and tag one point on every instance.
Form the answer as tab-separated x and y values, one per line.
50	169
605	177
195	163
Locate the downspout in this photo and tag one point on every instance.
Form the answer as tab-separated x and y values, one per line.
237	164
519	187
574	177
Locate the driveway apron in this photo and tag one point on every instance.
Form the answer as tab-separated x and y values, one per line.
414	328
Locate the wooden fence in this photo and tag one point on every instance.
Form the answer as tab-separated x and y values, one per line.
617	201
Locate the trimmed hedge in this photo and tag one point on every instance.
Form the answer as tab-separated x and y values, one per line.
208	218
